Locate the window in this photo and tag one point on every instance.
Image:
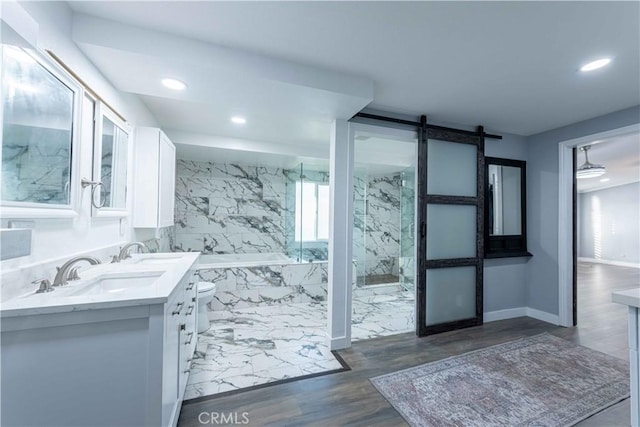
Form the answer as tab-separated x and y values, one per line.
40	137
312	211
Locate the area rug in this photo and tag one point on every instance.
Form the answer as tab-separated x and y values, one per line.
537	381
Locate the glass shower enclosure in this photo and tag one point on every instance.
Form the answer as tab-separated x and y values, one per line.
307	213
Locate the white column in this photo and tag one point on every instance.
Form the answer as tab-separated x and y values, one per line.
340	235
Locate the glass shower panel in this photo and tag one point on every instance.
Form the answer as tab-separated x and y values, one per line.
360	224
454	232
451	294
407	229
293	212
452	168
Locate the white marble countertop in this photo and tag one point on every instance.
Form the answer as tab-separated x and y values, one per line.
62	300
630	297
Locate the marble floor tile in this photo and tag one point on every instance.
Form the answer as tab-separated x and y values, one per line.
256	345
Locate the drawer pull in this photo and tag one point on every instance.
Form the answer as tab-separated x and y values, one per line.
183	326
190	312
186	371
178	308
191	285
190	334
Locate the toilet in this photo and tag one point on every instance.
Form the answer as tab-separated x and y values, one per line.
206	290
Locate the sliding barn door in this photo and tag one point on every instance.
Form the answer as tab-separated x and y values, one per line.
451	240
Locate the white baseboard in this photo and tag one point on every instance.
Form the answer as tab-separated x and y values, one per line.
554	319
511	313
339	343
604	261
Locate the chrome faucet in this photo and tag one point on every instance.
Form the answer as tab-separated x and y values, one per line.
124	252
65	273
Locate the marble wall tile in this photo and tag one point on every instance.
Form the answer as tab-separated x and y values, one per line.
253	277
191	168
268	285
377	222
188	242
235	208
299	274
164	243
225	278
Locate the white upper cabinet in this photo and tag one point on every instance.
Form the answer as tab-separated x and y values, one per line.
155	178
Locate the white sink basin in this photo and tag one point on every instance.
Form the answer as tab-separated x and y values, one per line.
117	282
156	259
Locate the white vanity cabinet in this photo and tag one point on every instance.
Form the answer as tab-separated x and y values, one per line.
154	179
179	345
113	363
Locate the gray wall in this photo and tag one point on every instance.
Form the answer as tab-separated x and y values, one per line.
609	223
542	202
505	279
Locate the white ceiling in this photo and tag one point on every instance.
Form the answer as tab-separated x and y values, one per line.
283	101
620	156
511	66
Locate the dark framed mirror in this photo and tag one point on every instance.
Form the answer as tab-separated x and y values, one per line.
505	208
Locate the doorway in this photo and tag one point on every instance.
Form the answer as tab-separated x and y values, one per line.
568	220
383	292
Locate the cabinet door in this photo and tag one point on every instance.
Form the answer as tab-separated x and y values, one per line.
171	362
167	182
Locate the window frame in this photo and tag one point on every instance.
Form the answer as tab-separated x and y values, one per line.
28	210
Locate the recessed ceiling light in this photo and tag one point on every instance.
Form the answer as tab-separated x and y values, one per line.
594	65
605	179
174	84
238	120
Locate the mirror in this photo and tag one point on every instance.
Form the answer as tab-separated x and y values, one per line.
505	208
38	131
504	198
110	163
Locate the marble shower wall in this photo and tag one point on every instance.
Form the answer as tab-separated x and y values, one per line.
383	225
377	223
226	208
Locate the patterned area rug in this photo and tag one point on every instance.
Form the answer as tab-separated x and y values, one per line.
537	381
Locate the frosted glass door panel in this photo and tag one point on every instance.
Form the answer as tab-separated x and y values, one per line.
451	231
452	168
451	294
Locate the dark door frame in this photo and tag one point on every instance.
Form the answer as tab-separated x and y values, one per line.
454	136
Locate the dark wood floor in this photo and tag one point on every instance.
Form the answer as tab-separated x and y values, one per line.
348	398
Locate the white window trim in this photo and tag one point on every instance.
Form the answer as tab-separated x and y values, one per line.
29	210
102	110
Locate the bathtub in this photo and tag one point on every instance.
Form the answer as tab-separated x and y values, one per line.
250	280
243	260
253	280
